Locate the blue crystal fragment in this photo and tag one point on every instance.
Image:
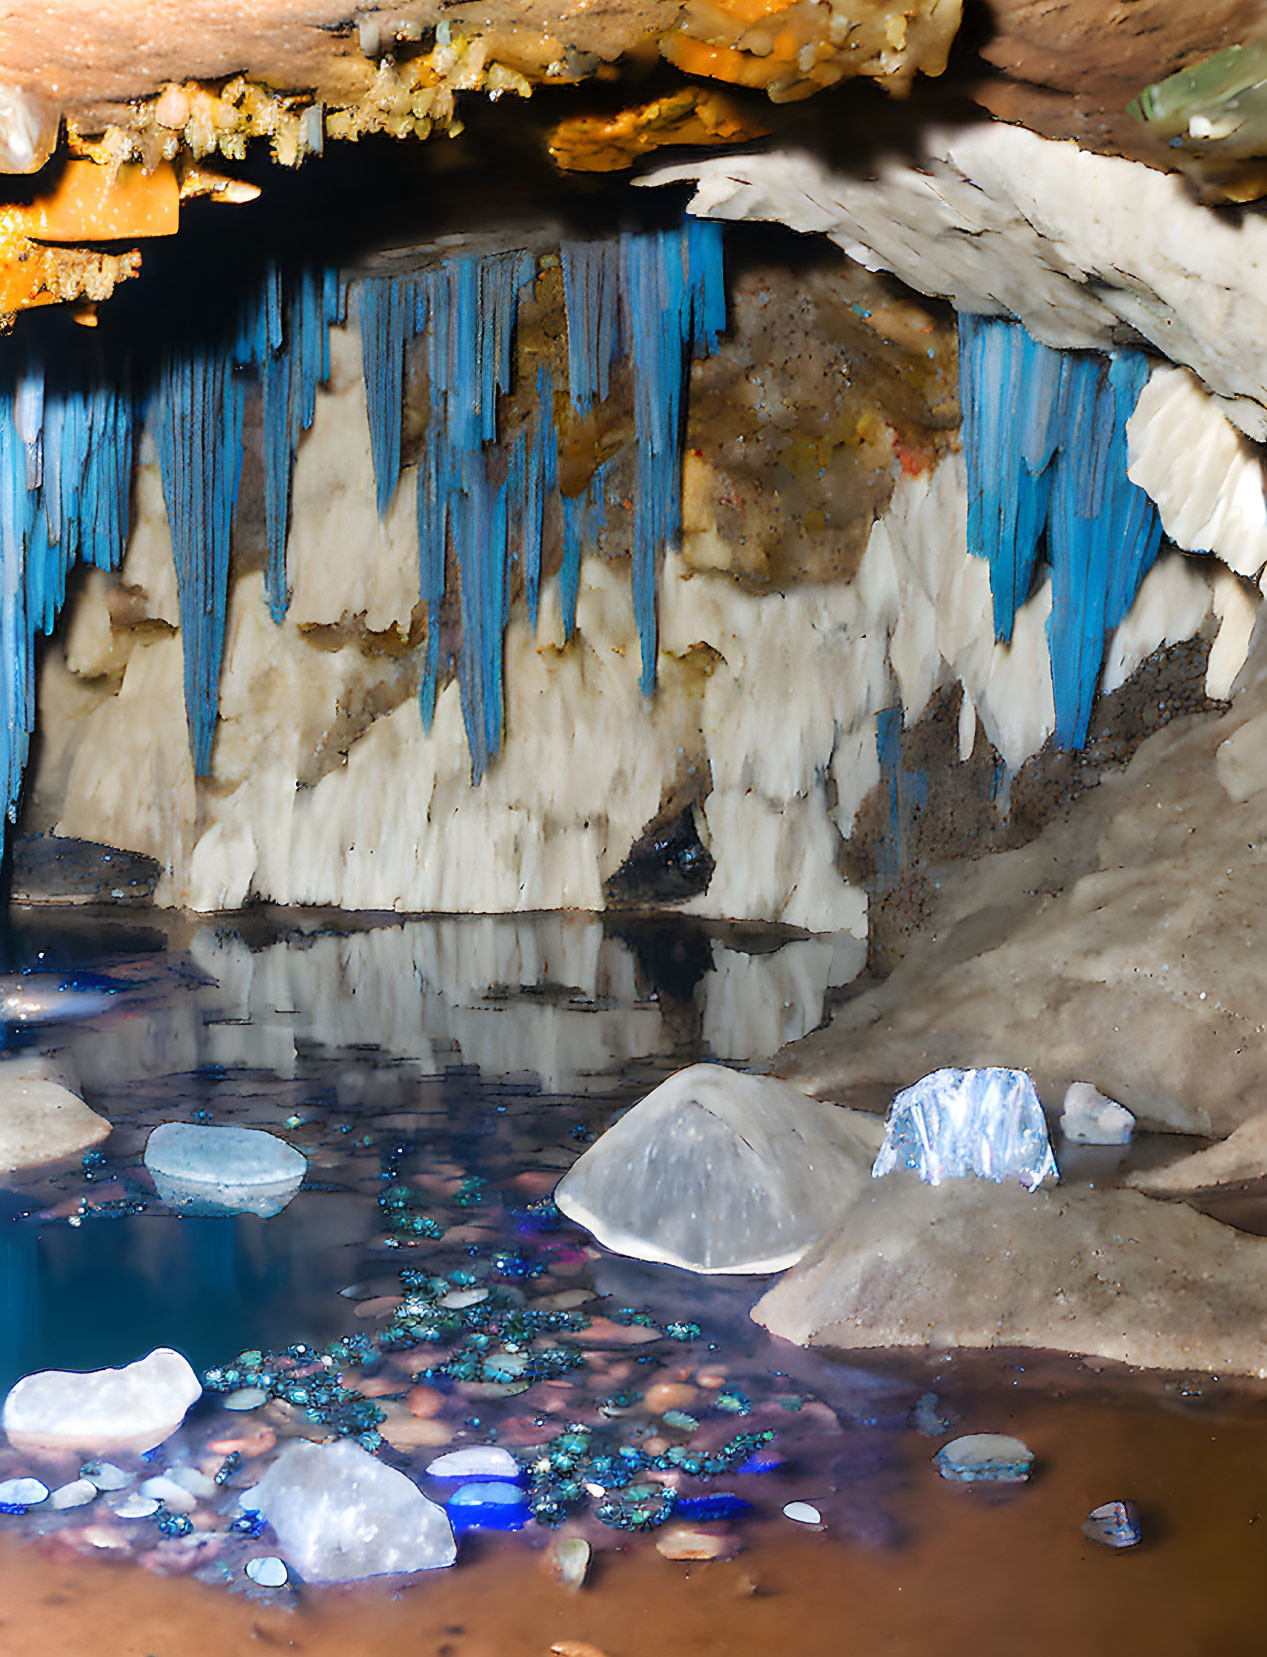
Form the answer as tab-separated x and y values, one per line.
958	1122
704	1508
488	1506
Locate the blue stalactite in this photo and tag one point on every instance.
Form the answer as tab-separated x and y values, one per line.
66	455
1044	437
200	450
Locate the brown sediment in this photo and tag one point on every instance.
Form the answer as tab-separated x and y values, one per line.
984	1573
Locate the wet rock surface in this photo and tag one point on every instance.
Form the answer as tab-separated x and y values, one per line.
972	1264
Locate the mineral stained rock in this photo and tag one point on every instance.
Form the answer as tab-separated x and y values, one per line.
133	1408
717	1171
957	1123
41	1120
971	1264
340	1515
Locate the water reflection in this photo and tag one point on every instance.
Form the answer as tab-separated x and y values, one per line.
563	998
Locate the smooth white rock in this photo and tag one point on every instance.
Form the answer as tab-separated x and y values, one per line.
78	1493
1090	1118
475	1461
106	1476
137	1506
341	1515
28	130
40	1119
23	1492
172	1495
134	1408
194	1481
199	1169
268	1571
457	1299
803	1513
245	1398
717	1171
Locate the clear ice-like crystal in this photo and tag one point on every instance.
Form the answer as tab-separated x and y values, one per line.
957	1122
341	1515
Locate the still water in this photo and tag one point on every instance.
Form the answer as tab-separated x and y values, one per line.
439	1076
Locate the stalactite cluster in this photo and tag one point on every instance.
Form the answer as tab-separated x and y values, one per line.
1044	436
482	494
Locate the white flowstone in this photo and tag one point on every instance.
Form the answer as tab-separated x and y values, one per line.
954	1123
1089	1118
133	1408
268	1571
340	1515
23	1492
223	1169
1237	1160
78	1493
475	1461
717	1171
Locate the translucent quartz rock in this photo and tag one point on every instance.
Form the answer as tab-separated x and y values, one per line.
717	1171
957	1122
985	1458
213	1170
341	1515
1115	1525
1089	1118
28	131
133	1408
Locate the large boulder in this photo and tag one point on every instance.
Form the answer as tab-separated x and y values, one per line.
42	1120
340	1515
718	1171
223	1170
1111	1274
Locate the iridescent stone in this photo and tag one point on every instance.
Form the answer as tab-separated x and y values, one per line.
957	1122
985	1458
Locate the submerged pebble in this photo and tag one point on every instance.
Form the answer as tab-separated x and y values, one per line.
78	1493
22	1493
476	1461
802	1513
569	1558
488	1505
985	1458
245	1398
268	1571
104	1475
1114	1525
136	1506
681	1542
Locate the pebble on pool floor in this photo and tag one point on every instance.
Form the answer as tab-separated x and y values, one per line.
268	1571
802	1513
985	1458
21	1493
1114	1525
475	1461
